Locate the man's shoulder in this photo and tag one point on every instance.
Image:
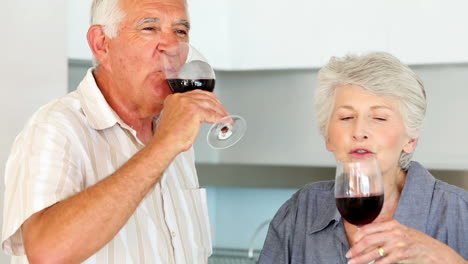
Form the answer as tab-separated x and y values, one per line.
64	112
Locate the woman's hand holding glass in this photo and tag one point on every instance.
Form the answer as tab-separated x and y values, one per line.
399	244
359	193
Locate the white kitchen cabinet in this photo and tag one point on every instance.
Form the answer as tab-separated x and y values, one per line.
266	34
299	34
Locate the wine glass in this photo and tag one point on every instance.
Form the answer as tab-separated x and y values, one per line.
359	190
186	69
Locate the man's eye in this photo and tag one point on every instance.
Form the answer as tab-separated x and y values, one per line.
149	29
346	118
181	32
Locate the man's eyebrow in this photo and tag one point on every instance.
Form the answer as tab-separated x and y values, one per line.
185	23
147	20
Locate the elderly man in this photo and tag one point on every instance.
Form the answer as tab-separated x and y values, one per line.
94	177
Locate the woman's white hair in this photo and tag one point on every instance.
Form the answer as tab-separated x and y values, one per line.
380	73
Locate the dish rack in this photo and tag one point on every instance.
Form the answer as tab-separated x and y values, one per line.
232	256
238	256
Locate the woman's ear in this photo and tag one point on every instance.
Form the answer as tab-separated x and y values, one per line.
98	42
410	146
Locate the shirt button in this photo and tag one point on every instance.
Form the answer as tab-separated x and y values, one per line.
173	234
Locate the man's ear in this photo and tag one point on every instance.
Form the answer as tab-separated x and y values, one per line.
98	42
410	146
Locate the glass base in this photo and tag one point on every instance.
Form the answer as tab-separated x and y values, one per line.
226	132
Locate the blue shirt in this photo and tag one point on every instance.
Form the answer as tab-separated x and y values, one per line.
308	228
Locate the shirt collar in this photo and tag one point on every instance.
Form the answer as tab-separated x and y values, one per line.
329	214
95	107
415	200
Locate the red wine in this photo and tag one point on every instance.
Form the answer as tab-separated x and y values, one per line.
185	85
360	210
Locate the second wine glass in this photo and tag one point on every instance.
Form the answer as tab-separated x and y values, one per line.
359	190
186	69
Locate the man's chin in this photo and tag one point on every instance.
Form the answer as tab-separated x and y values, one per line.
161	92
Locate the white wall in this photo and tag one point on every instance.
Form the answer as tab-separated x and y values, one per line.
278	107
78	24
33	66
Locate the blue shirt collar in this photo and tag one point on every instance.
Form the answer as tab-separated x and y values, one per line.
415	200
413	207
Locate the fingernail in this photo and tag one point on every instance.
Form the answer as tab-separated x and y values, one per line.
348	254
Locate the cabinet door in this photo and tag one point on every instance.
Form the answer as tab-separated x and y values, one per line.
272	34
266	34
429	31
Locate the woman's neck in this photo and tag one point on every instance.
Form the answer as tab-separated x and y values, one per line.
393	186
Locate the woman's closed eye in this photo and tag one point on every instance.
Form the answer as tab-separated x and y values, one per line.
346	118
380	118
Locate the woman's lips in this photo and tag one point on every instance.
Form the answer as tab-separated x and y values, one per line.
361	152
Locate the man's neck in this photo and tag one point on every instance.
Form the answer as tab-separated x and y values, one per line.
132	114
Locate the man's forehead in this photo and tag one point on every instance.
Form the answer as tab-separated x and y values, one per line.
162	3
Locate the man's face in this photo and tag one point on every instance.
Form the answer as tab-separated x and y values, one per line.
149	28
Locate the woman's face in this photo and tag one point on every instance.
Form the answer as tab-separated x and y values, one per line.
363	124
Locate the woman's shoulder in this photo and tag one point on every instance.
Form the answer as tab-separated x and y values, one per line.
311	192
450	193
320	186
313	197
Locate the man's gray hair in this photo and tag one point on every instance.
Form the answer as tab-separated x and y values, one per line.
380	73
108	14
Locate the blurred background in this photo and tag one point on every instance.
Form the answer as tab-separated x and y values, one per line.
266	54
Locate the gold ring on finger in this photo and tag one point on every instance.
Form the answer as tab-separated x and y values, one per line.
381	251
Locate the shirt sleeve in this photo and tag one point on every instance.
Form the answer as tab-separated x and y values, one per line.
449	216
41	170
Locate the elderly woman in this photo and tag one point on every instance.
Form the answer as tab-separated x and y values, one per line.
375	105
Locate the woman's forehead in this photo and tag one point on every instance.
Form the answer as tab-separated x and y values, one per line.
355	96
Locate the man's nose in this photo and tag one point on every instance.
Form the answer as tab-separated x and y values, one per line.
168	42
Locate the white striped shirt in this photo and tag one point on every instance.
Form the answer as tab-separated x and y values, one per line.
78	140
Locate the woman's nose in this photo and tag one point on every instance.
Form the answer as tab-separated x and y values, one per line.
360	131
